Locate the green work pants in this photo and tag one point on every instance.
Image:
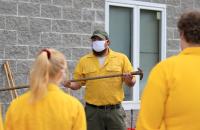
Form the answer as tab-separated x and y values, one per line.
105	119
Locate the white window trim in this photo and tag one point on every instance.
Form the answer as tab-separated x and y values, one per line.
137	5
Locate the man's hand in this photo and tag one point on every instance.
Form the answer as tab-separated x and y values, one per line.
72	85
67	84
129	79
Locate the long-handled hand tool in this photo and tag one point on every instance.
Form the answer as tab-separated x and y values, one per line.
10	79
139	72
9	84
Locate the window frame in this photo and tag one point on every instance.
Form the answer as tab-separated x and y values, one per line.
134	104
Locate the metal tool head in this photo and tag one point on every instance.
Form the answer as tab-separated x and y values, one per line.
140	73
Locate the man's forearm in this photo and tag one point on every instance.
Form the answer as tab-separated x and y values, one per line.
130	83
75	86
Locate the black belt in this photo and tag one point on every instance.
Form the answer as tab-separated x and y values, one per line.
116	106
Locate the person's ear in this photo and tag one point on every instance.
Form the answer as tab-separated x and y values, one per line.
181	34
107	42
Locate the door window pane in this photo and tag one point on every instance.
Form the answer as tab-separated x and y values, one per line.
149	42
120	32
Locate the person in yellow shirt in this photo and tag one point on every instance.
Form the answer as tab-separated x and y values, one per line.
171	96
103	96
1	121
46	106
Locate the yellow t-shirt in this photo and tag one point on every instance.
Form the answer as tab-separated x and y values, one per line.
1	121
103	91
172	94
56	111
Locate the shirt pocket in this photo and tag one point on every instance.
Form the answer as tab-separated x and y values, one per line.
89	71
114	69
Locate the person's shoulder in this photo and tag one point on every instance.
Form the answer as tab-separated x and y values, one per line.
166	64
20	100
118	54
169	60
72	100
86	56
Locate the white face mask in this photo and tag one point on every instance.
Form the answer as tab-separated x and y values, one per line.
98	46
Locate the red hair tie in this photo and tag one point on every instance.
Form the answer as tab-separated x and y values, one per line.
48	52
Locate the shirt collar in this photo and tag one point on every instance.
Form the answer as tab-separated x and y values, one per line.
110	54
191	50
53	87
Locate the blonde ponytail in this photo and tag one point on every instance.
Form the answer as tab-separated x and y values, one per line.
39	76
47	66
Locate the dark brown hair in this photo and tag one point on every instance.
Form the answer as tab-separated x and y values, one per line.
189	26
